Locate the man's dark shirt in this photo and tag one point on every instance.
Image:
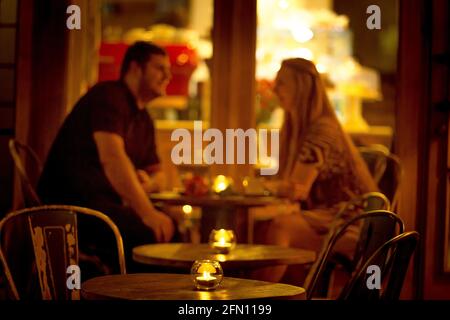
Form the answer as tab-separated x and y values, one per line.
73	173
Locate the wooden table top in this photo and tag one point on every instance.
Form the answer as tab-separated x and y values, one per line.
243	256
165	286
214	200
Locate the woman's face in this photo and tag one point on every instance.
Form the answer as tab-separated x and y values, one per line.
285	88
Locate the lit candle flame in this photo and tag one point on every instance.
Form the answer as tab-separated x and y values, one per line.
221	183
187	209
222	241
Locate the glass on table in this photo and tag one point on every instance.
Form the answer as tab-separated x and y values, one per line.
206	274
222	241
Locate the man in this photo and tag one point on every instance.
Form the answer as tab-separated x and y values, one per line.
104	156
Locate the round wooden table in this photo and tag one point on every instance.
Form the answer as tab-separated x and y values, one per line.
243	256
220	211
165	286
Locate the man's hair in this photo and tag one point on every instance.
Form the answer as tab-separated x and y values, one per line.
140	52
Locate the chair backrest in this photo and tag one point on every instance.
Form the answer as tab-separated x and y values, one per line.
363	203
375	201
375	157
374	230
391	180
22	155
54	237
386	170
377	227
366	202
391	274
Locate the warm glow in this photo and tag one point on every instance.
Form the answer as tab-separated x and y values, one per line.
182	59
206	279
321	68
220	186
221	183
283	4
206	268
222	235
222	240
267	162
302	34
304	53
222	243
207	276
187	209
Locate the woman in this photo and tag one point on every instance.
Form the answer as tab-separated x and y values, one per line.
319	165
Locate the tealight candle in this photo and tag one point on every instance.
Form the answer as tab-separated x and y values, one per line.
206	280
221	183
222	240
206	274
222	246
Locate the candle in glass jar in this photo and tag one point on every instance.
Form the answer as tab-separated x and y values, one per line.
206	280
222	245
206	274
222	241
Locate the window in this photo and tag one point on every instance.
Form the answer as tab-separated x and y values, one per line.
183	28
358	64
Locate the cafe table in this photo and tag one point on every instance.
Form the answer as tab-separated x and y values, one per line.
220	211
244	257
167	286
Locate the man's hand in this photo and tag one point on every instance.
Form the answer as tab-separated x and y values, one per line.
148	183
161	225
151	182
121	173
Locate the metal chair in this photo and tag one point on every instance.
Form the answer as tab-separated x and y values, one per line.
375	157
25	157
377	227
54	238
386	170
391	180
20	154
392	271
365	203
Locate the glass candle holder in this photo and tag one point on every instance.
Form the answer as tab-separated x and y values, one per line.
206	274
222	241
221	183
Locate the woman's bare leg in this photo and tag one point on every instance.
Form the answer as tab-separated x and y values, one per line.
288	231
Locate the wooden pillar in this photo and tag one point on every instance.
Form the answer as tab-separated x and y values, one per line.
41	75
24	83
50	43
233	72
422	137
411	118
435	216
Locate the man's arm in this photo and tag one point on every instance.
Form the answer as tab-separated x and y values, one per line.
152	179
122	175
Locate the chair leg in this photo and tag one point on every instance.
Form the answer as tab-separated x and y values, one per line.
325	282
338	280
331	283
